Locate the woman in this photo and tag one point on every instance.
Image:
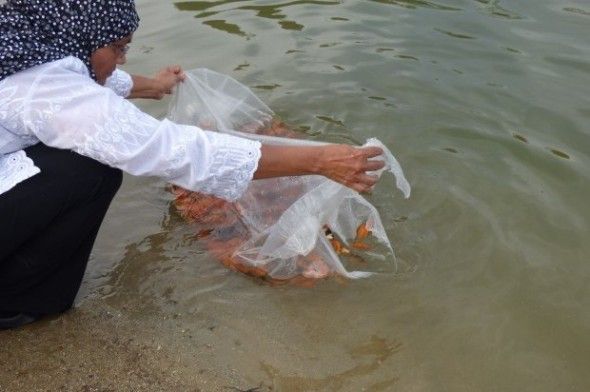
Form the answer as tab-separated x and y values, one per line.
65	136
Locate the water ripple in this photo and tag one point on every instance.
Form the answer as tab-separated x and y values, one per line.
231	28
455	35
272	11
413	4
203	5
493	8
578	11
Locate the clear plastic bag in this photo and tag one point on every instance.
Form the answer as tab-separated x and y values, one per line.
282	229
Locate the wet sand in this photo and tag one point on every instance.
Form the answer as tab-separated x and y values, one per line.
97	348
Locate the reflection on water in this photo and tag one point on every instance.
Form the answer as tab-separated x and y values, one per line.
485	103
521	138
578	11
242	66
263	11
560	154
456	35
290	25
411	4
204	5
495	9
227	27
370	356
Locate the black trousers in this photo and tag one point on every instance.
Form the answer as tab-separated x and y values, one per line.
48	224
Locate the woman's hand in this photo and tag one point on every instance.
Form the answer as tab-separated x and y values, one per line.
167	78
157	87
342	163
349	165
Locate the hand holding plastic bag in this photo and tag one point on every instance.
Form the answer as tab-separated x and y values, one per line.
279	228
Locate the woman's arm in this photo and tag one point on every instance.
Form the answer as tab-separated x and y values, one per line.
64	108
342	163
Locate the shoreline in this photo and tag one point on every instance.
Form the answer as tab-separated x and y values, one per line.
98	348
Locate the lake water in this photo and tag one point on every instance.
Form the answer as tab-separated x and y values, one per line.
487	106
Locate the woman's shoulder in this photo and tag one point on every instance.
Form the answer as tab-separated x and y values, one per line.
72	64
68	65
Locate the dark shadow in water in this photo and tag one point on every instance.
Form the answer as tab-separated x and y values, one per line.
267	86
330	120
381	50
413	4
520	138
269	12
141	280
274	11
290	25
578	11
407	57
203	5
230	28
142	262
560	154
202	15
242	66
455	35
371	356
493	8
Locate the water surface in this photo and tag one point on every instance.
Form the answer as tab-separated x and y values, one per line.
485	103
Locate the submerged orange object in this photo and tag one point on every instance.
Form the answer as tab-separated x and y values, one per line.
337	245
360	245
222	230
362	232
220	227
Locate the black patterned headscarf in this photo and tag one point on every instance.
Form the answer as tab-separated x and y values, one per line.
34	32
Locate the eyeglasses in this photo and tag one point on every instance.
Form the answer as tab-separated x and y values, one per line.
121	50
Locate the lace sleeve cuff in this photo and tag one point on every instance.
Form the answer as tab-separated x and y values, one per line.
233	164
120	82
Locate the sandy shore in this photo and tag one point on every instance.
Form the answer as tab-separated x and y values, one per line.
97	348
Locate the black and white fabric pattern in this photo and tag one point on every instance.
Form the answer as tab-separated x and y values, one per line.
34	32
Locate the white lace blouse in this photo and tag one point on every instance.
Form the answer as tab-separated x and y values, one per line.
58	104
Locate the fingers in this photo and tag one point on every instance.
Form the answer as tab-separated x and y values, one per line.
365	183
177	70
352	166
371	152
368	180
168	78
374	165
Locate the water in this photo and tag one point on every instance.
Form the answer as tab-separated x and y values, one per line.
485	103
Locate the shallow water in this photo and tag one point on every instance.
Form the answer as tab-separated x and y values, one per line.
485	103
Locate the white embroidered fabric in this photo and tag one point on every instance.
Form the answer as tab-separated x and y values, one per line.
120	82
14	168
59	105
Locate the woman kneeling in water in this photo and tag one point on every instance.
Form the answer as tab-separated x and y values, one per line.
67	132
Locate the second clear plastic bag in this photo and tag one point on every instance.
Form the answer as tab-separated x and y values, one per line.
282	229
